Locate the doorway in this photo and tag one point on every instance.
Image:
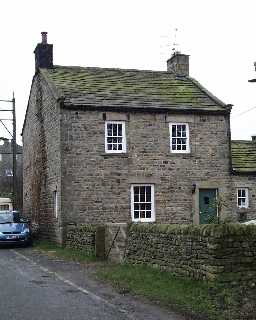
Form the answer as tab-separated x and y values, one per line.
208	209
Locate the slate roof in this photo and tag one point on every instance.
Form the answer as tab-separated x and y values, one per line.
243	156
105	87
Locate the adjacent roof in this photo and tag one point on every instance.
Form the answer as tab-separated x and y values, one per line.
102	87
243	156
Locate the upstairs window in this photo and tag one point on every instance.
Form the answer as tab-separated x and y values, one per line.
179	138
142	203
242	198
115	140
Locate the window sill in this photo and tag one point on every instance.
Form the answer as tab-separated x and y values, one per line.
143	220
180	154
119	155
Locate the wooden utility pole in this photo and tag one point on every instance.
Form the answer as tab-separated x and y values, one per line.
14	158
14	147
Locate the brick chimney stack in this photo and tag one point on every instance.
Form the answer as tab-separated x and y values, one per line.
43	53
254	138
178	64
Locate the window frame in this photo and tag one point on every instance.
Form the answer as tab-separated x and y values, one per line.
153	215
171	124
246	205
123	137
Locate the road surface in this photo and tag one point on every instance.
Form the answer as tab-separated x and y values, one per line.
35	287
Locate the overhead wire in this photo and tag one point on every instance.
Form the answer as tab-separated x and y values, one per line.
246	111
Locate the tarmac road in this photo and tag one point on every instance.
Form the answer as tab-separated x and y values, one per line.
34	287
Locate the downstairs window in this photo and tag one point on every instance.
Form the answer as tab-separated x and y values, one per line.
242	198
142	203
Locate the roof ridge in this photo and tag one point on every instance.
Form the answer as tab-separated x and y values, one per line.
121	69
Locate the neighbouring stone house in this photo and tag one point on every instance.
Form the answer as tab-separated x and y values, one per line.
113	145
6	175
244	178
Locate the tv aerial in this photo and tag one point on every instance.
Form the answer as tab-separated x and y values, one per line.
175	48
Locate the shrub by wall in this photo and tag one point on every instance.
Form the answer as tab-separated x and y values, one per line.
226	252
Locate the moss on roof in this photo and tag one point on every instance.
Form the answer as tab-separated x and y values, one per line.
131	88
243	156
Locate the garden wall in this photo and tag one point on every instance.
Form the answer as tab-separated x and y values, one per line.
106	241
87	237
81	237
226	252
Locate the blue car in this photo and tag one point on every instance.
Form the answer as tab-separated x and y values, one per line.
14	229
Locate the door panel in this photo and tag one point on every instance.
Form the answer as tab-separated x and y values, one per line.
207	205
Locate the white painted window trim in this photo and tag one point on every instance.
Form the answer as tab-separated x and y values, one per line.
55	203
246	205
153	215
187	141
123	137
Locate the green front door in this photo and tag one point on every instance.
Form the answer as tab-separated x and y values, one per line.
207	205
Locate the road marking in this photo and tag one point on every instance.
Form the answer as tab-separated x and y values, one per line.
92	295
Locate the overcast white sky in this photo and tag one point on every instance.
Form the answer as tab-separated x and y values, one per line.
219	36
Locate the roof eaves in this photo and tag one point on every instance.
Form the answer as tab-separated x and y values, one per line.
243	172
73	104
243	141
242	165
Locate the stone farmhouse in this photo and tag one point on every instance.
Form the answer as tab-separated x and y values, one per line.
6	175
113	145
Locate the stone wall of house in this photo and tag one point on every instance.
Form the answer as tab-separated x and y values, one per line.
96	186
244	181
41	158
226	252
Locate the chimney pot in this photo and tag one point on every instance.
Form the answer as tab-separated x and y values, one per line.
44	37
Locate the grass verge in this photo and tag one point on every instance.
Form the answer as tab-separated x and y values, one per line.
54	250
193	297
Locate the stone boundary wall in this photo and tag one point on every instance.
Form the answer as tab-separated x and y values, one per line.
81	237
105	241
225	252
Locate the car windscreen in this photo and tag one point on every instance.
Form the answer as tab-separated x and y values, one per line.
9	217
